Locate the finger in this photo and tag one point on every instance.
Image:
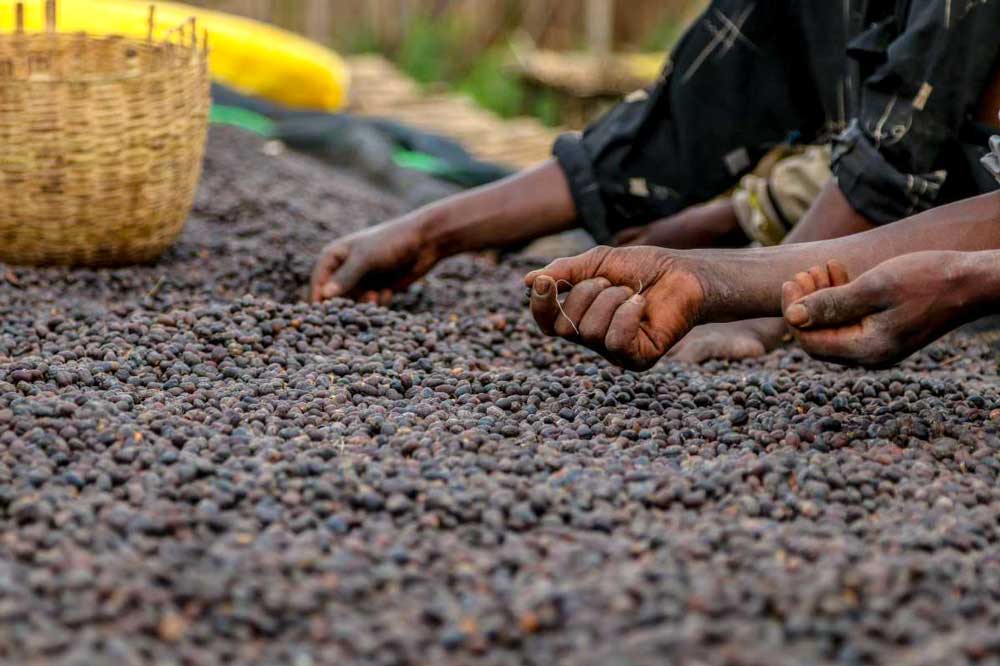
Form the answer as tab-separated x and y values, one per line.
595	323
369	297
328	262
838	274
624	339
346	277
385	297
820	277
806	282
577	304
571	269
545	304
791	292
837	306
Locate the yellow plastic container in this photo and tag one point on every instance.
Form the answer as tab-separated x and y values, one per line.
250	56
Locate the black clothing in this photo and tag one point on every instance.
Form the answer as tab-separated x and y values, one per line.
893	82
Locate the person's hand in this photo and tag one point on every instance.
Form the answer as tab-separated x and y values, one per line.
708	225
631	305
372	264
731	341
885	314
637	235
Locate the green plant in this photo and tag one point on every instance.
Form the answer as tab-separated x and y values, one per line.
546	109
363	39
429	50
444	50
492	84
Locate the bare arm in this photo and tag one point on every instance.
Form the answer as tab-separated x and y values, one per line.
747	283
891	311
521	208
831	216
372	264
635	304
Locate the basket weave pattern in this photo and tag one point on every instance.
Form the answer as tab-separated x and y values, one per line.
101	145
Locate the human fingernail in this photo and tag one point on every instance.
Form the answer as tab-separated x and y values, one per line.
543	286
331	290
797	315
637	299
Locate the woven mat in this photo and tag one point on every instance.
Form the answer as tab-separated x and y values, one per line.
380	89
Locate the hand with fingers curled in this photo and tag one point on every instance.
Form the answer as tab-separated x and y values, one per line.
631	305
887	313
373	264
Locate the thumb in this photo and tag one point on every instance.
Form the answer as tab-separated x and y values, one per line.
836	306
346	278
791	292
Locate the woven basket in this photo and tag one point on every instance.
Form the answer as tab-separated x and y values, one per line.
101	143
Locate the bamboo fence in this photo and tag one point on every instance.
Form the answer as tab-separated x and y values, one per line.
599	25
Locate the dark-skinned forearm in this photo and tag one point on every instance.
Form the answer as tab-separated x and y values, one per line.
518	209
981	283
830	216
743	284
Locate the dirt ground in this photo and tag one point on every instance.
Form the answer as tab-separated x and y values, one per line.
198	468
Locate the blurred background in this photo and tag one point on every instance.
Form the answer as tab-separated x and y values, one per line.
560	61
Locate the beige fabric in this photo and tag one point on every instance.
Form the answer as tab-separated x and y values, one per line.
992	160
764	203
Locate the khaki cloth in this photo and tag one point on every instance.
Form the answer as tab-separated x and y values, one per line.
992	159
769	204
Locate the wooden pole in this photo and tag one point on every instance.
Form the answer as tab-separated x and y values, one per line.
374	15
600	26
50	16
537	17
319	20
261	10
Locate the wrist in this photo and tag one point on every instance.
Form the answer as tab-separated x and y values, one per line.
736	285
516	210
436	239
710	276
979	286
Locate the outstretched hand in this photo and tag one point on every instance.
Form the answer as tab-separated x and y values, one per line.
884	315
372	264
631	305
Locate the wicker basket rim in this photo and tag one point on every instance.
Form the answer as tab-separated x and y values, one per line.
184	57
94	80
